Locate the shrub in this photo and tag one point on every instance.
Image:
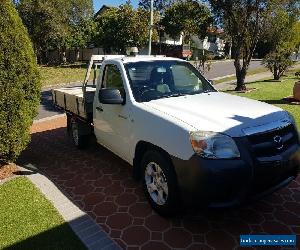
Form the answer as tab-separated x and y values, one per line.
278	62
19	83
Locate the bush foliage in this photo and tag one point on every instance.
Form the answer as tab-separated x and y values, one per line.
278	62
19	83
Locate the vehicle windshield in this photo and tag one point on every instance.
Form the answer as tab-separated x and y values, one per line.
153	80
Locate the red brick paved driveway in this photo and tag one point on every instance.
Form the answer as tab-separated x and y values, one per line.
101	184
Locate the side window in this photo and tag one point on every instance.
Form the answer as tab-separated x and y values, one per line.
112	77
185	79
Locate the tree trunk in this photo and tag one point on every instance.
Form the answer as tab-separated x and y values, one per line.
240	75
64	57
230	49
39	58
276	73
43	59
77	55
276	76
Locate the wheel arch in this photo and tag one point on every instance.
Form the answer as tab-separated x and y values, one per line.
141	148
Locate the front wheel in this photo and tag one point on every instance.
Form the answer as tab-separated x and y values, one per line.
160	183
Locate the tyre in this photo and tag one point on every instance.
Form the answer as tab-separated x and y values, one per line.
79	139
160	183
69	119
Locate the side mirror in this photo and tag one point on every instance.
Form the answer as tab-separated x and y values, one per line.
111	96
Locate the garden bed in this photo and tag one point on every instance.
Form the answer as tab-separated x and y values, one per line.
7	170
291	100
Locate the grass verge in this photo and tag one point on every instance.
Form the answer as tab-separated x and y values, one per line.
250	73
63	74
293	70
29	221
274	92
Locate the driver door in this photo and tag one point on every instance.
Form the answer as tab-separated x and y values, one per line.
111	122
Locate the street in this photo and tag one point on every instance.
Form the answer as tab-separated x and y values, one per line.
219	69
223	68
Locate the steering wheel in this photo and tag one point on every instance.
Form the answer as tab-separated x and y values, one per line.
148	92
144	89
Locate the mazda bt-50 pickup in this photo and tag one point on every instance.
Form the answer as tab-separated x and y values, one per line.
187	142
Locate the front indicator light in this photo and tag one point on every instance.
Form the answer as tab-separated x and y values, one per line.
214	145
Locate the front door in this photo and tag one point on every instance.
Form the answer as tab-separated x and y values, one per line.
111	122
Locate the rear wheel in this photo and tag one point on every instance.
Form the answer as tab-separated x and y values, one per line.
160	183
79	138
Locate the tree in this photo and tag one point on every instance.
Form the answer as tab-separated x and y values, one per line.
278	61
19	83
81	34
122	27
47	24
159	5
81	24
283	36
188	17
244	21
56	24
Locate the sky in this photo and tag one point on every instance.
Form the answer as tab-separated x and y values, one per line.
98	3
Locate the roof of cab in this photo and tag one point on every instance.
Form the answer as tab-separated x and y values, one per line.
129	59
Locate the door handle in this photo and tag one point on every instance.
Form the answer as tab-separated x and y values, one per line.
100	109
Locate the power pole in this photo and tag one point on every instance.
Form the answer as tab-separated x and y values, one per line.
151	26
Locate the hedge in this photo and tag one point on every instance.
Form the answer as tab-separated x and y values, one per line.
19	83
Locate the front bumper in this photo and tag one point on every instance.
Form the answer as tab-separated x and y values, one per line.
226	183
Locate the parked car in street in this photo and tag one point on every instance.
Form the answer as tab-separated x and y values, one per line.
187	142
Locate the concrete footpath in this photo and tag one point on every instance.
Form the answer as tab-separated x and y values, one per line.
230	85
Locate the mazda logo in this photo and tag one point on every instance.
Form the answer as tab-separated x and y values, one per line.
278	141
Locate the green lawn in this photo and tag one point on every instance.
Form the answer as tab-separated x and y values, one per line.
249	73
62	74
29	221
273	92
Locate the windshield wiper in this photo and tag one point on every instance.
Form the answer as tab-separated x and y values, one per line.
177	94
172	95
208	91
201	92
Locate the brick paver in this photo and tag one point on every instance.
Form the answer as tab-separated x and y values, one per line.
90	233
100	183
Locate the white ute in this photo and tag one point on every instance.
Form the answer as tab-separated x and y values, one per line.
187	142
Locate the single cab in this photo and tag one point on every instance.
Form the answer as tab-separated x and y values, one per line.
187	142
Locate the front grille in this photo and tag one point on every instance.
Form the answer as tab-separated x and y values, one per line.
265	145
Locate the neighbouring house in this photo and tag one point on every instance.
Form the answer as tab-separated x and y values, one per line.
102	10
213	43
165	38
296	55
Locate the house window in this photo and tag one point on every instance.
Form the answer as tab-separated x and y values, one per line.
212	38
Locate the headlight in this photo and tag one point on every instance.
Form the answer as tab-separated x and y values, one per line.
291	118
214	145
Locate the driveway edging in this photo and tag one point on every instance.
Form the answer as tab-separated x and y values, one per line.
49	118
89	232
